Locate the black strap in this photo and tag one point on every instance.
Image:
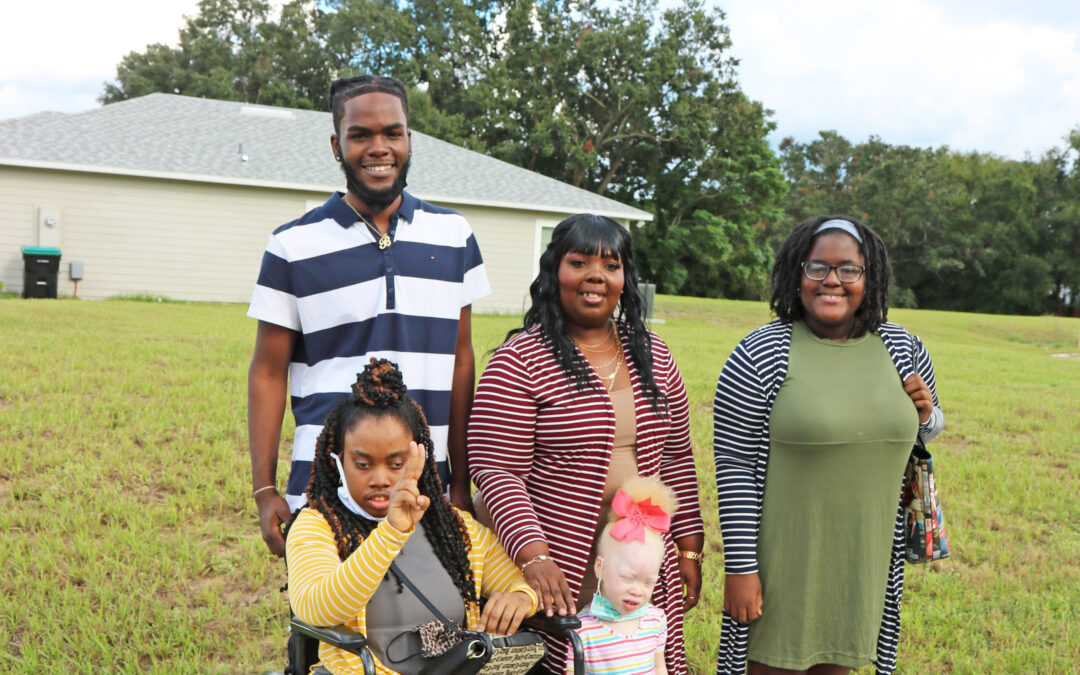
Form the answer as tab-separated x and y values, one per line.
422	598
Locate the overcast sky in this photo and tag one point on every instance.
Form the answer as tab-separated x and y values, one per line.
998	76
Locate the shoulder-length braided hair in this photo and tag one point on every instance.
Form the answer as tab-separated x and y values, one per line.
787	273
380	392
589	234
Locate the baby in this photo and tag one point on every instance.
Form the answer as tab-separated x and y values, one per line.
621	631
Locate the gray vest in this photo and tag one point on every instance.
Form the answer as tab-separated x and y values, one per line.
392	616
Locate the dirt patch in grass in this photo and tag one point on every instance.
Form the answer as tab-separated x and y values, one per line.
963	446
247	594
15	643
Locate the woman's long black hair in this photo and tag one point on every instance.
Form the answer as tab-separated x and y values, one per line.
380	392
787	273
589	234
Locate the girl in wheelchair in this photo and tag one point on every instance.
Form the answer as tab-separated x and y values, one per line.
375	498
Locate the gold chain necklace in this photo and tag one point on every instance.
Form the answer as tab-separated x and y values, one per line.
593	348
607	365
383	239
609	380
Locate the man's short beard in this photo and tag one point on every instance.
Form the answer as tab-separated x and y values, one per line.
376	200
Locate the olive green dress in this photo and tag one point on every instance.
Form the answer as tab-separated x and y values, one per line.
841	430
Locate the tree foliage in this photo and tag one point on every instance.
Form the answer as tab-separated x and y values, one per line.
234	50
965	231
642	106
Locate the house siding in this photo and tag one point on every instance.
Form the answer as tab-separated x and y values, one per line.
180	240
507	240
186	240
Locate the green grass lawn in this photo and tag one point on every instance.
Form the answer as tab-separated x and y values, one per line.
129	541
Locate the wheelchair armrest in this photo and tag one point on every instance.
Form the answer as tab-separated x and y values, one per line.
566	627
559	625
341	637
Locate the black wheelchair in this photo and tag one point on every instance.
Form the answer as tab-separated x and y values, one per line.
304	653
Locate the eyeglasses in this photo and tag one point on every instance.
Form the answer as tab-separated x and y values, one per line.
817	271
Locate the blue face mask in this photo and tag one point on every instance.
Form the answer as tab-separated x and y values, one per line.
602	608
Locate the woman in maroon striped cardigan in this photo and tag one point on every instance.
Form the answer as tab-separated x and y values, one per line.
571	404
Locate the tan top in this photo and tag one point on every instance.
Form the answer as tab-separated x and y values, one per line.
623	465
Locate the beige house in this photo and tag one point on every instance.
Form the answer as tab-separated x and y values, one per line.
176	196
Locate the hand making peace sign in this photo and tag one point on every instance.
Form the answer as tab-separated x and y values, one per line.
407	505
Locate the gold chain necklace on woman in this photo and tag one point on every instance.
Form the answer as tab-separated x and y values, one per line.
609	380
593	348
383	239
607	365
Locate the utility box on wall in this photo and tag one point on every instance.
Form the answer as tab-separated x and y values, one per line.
648	290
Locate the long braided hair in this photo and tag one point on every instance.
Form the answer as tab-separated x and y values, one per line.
380	392
787	273
591	235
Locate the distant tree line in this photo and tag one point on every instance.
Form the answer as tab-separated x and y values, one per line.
966	231
643	106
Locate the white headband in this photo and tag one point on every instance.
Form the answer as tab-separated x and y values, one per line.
837	224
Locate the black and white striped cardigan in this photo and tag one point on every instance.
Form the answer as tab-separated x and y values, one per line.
745	394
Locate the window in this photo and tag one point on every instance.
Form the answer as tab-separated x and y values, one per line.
544	228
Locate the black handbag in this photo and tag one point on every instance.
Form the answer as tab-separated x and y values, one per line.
475	651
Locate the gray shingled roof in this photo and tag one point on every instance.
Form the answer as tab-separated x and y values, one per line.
169	136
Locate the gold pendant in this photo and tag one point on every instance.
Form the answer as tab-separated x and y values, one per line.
384	242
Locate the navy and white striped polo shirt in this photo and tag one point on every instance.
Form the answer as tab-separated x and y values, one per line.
324	277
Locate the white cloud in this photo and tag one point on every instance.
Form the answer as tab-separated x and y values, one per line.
915	73
57	55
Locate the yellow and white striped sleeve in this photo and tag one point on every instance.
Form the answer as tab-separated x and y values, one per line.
324	590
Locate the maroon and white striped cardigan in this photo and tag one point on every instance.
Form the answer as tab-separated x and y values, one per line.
539	451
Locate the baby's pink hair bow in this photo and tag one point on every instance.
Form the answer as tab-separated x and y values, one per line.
636	516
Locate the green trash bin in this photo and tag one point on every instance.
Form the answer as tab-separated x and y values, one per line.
41	264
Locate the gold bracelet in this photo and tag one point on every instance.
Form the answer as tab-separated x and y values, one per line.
265	487
692	555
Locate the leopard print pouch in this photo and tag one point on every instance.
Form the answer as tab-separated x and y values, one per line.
436	637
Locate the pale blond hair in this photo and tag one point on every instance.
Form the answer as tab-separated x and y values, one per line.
639	488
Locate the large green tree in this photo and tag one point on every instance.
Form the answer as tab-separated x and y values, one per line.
439	48
1058	180
642	106
235	50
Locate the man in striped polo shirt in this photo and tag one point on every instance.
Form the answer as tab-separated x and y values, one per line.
372	272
